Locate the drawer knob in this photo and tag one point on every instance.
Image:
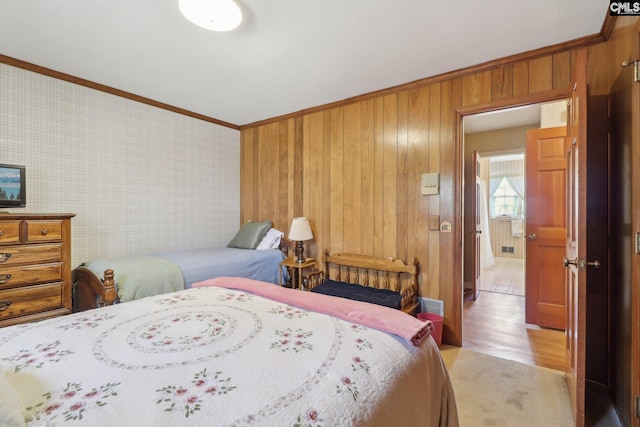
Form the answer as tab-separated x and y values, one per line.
44	231
1	232
4	278
4	257
4	305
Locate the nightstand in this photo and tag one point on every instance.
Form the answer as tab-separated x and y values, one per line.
295	269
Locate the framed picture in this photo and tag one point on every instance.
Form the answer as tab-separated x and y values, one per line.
13	192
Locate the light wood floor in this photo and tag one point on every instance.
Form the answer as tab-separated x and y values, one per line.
505	276
494	324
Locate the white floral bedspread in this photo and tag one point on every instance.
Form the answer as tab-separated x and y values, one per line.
220	357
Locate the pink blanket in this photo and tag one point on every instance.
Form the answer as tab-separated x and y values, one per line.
371	315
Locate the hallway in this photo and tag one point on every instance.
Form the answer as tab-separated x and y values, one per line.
494	324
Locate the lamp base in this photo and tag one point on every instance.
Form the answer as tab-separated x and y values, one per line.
299	251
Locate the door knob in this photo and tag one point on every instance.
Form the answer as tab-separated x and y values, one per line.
595	264
532	236
580	263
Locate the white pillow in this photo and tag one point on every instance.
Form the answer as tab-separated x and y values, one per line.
271	240
10	405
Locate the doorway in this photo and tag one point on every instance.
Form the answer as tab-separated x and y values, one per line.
501	207
494	307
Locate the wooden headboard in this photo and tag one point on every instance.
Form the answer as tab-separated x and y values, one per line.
376	272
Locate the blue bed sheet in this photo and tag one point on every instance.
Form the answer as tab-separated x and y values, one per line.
207	263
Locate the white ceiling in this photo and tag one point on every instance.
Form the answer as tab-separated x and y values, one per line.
503	119
287	55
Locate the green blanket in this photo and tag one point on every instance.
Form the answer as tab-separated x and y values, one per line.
139	276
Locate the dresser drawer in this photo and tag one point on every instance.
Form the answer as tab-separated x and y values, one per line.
35	299
9	232
11	277
43	231
29	254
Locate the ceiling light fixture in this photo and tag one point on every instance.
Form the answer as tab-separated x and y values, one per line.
215	15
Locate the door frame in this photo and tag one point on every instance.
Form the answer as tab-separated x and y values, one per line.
458	190
476	249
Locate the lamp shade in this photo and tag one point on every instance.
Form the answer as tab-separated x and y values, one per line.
215	15
300	229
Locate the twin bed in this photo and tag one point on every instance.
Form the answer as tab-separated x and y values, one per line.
229	351
106	281
255	252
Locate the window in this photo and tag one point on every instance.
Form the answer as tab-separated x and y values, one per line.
505	202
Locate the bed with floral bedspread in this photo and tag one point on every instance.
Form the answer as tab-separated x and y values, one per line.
227	352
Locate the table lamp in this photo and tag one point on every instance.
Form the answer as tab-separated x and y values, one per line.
299	232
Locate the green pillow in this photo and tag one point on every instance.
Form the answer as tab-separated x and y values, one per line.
250	235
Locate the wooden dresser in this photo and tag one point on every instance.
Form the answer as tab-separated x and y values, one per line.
35	266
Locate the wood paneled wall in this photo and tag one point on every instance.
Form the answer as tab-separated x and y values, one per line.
354	168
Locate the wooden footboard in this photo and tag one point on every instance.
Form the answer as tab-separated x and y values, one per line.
381	273
89	291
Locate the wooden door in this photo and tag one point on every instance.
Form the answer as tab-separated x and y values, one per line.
546	232
576	244
476	281
634	326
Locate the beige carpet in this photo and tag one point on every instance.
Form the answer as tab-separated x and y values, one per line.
496	392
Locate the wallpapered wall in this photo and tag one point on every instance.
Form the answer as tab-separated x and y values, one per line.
139	179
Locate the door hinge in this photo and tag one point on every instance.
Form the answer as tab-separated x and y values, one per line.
636	69
637	409
637	242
